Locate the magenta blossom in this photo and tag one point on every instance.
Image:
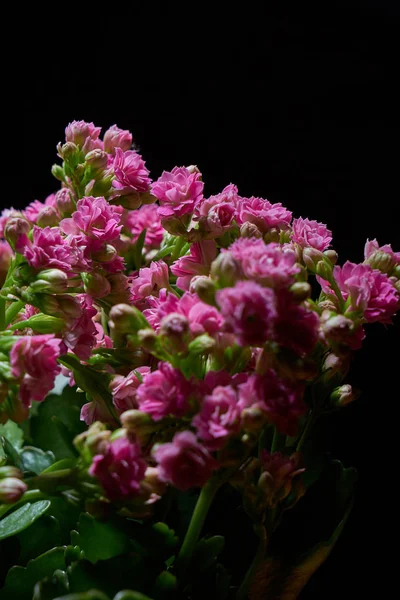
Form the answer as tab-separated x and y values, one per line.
32	211
120	470
217	213
282	401
229	195
164	392
269	264
249	311
117	138
184	462
81	334
124	389
198	262
178	192
50	250
219	417
131	174
96	219
33	362
6	255
311	234
149	281
146	217
296	327
264	214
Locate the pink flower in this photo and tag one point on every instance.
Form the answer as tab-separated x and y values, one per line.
81	335
83	134
146	217
96	219
269	264
33	361
312	234
164	392
216	213
381	257
282	470
6	255
50	250
296	326
282	401
229	195
184	462
124	389
178	192
131	174
32	211
149	281
219	417
120	470
115	137
249	312
264	214
198	262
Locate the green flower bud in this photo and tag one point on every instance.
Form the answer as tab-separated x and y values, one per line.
126	319
249	230
11	490
204	287
50	281
323	270
225	270
332	255
9	471
301	290
311	257
97	159
105	255
175	332
96	285
343	395
48	217
58	172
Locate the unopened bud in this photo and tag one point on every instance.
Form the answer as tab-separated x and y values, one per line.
50	281
68	150
9	471
58	172
48	217
126	319
253	418
11	490
337	327
301	290
249	230
266	483
202	344
396	272
273	235
174	226
343	395
148	339
105	255
175	331
65	202
323	270
130	201
382	261
311	256
152	483
96	285
15	229
225	270
63	306
204	288
136	421
332	364
327	305
332	255
45	324
397	285
97	159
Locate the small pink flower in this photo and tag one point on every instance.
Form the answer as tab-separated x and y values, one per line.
249	311
296	327
381	257
96	219
198	262
149	281
178	192
281	401
50	250
219	417
229	195
32	211
124	389
264	214
164	392
311	234
146	217
131	174
216	213
83	134
120	470
184	462
81	334
33	361
6	255
269	264
115	137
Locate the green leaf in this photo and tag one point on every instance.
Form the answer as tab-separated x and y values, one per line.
41	535
99	540
11	453
165	586
36	460
60	465
90	595
20	581
22	518
13	433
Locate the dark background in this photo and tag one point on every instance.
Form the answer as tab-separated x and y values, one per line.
301	110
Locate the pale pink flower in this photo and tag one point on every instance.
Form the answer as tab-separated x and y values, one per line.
81	334
184	462
149	281
83	134
146	217
178	192
198	262
381	257
131	173
124	389
115	137
50	250
32	211
264	214
164	392
219	417
96	219
311	234
216	214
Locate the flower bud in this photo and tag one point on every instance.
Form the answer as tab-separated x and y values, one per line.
174	226
332	365
311	256
337	327
225	270
107	254
115	137
45	324
58	172
253	418
327	305
397	285
332	255
148	339
204	287
11	490
301	290
126	319
9	471
343	395
50	281
16	230
201	344
382	261
62	306
273	235
323	270
96	285
175	331
130	201
48	217
68	150
151	484
65	202
249	230
194	169
396	272
97	159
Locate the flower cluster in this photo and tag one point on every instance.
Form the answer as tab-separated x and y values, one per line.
187	320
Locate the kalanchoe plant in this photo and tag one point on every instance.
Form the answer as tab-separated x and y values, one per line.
162	355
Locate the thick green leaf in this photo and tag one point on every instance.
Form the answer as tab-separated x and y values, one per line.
41	536
36	460
22	518
90	595
20	581
129	595
60	465
13	433
165	586
11	453
99	540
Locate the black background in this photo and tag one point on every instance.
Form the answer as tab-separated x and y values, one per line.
299	109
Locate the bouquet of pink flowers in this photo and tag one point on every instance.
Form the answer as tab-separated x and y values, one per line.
165	361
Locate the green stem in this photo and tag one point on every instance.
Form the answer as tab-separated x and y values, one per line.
306	431
176	252
13	310
204	502
278	441
2	314
27	497
262	547
338	293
